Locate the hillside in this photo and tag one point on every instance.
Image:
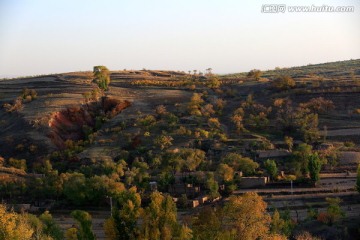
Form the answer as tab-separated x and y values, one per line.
326	70
193	136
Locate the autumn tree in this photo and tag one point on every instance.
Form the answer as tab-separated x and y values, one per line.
246	215
285	115
289	141
283	82
305	236
299	121
207	110
163	141
255	74
71	234
213	82
102	77
14	226
160	110
237	118
319	105
194	106
219	105
225	173
214	123
254	114
110	229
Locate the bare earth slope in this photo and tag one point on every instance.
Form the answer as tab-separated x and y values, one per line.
28	133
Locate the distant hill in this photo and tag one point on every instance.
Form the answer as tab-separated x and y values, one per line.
339	68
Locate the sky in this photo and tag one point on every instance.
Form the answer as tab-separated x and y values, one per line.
49	36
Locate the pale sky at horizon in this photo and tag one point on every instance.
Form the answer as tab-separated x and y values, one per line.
45	36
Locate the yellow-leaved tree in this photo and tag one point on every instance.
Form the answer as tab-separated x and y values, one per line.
14	226
247	216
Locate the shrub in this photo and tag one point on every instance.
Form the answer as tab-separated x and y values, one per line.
16	106
283	83
29	94
17	163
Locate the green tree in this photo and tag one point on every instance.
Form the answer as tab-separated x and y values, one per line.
271	168
212	185
51	228
281	224
159	218
333	211
138	174
240	163
277	223
207	224
126	214
301	156
17	163
307	124
171	119
192	158
358	179
314	166
147	122
84	220
101	77
36	226
75	189
185	233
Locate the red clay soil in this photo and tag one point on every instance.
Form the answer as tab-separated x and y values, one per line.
69	123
